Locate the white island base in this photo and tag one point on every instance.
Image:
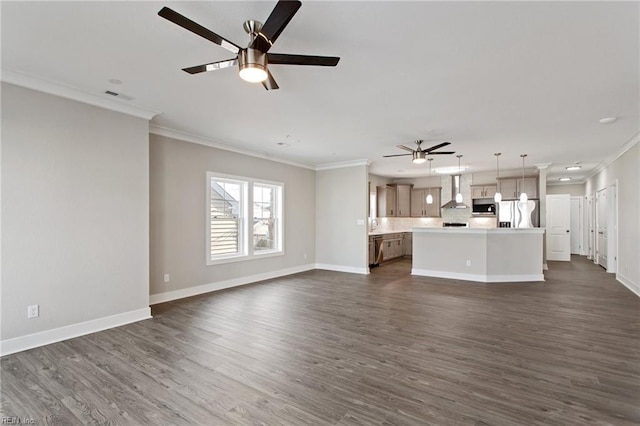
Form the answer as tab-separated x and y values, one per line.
477	254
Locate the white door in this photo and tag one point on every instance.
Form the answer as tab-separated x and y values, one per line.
576	225
558	227
601	227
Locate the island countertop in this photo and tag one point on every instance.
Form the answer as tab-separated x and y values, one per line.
462	230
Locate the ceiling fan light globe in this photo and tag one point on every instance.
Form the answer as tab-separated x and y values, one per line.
429	199
498	197
253	74
253	65
418	160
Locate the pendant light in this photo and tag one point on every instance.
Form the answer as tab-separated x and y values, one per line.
523	195
429	196
498	197
459	195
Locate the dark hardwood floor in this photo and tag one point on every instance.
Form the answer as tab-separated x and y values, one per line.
341	349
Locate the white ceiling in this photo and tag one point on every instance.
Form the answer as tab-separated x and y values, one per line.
508	77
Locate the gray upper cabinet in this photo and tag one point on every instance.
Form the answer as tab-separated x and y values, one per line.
483	191
394	200
510	188
386	196
404	200
419	206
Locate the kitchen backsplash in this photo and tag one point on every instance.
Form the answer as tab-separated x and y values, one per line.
389	224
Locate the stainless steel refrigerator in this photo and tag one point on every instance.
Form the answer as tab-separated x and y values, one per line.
514	214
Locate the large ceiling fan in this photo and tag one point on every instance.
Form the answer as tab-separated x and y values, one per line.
419	154
252	60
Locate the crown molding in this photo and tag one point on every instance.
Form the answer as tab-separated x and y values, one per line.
202	140
631	142
69	92
342	164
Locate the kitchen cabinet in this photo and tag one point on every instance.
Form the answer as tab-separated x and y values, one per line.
510	188
394	200
483	191
408	244
386	196
403	200
419	206
393	246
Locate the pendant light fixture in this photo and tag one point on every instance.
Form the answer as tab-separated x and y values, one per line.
429	196
523	195
459	194
498	197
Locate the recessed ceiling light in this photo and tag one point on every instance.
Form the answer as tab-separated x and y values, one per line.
608	120
115	81
573	168
283	144
564	179
450	170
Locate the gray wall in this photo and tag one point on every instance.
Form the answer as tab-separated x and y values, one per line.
626	170
341	201
75	212
178	234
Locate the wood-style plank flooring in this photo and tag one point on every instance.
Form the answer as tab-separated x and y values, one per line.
330	348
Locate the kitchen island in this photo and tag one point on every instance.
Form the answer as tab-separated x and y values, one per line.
478	254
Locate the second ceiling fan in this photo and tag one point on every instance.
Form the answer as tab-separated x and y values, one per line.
252	60
419	154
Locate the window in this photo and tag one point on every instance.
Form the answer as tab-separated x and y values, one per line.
233	235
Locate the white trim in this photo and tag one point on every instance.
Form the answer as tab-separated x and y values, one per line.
478	277
342	164
634	287
633	140
545	267
168	296
342	268
68	92
203	140
22	343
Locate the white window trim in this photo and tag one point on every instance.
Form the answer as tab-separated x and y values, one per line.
246	231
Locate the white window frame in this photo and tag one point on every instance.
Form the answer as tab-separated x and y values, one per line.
245	250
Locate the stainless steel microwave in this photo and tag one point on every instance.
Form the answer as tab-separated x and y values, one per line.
483	207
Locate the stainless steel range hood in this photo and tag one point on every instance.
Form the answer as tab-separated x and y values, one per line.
455	188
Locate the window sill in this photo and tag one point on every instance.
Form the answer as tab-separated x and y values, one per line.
243	258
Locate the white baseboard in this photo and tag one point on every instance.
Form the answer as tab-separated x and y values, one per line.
634	287
30	341
168	296
342	268
478	277
545	267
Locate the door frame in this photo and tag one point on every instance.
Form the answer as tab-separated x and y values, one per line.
612	227
581	251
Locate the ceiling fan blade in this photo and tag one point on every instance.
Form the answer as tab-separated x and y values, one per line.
270	82
211	66
188	24
284	59
406	148
441	153
275	24
440	145
396	155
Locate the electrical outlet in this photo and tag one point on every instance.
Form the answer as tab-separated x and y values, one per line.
468	263
166	278
33	311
